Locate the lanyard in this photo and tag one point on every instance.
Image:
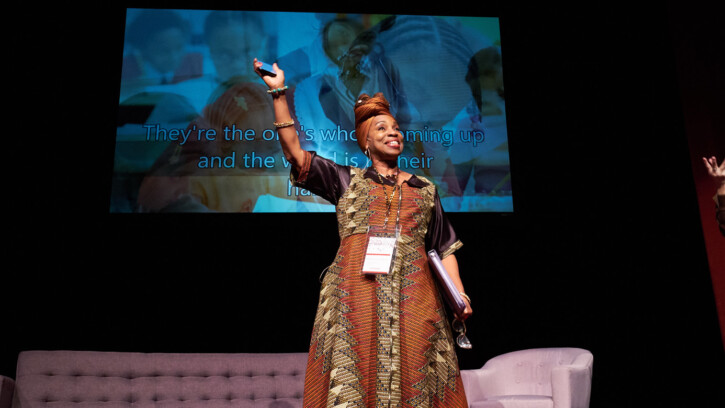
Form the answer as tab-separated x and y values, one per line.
389	199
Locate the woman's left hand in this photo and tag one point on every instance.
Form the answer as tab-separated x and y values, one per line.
467	312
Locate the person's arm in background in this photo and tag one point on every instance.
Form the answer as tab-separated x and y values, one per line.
718	175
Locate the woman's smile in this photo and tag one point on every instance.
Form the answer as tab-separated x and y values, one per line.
384	137
394	143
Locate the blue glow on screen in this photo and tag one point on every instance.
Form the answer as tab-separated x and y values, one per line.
195	129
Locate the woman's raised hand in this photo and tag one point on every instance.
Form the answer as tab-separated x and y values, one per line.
273	82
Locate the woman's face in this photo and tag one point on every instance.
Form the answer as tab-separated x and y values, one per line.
385	141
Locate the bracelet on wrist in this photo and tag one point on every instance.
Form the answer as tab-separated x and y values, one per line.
277	91
466	297
283	124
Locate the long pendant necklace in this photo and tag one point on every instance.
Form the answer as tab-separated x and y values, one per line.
389	199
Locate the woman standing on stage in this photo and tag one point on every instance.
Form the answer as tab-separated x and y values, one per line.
381	337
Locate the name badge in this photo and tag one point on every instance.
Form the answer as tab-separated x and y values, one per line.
382	243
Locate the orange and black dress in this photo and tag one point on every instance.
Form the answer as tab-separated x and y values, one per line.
381	340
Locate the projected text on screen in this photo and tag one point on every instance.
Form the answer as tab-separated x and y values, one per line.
195	123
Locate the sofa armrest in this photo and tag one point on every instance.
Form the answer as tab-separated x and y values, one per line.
478	384
571	384
7	388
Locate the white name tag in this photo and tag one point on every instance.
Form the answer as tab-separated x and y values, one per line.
380	251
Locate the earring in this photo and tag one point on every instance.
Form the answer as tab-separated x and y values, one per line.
367	152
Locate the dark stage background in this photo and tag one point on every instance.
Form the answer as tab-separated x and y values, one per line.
604	250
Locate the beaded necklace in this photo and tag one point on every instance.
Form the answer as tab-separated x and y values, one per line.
389	198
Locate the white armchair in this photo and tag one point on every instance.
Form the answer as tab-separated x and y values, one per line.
534	378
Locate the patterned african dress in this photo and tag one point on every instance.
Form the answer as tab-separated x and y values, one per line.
380	340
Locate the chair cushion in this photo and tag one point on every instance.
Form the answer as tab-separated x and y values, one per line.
515	401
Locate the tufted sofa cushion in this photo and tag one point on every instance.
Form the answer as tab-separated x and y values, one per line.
64	379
